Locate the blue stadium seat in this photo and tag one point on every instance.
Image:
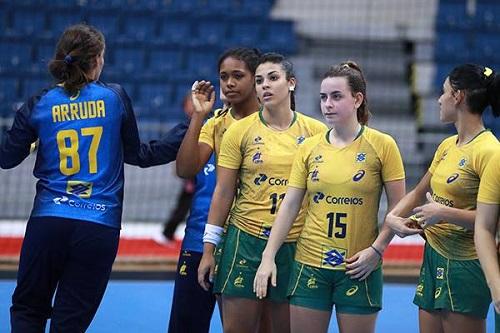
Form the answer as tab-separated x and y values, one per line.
139	27
452	46
452	16
33	86
253	8
64	19
9	88
245	33
209	31
487	45
279	36
155	95
105	5
220	6
165	60
182	6
488	16
107	22
129	58
27	22
175	30
202	63
15	54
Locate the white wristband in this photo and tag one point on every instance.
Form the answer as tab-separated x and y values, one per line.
212	234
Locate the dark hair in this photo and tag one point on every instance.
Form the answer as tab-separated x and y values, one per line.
356	81
248	55
286	65
481	86
75	56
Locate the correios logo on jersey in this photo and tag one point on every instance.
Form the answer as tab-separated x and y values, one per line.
64	200
333	200
262	178
273	181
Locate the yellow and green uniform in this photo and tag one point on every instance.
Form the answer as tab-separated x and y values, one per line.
456	172
450	259
343	187
264	157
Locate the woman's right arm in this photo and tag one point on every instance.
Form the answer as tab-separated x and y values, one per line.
487	216
396	218
222	200
281	227
193	155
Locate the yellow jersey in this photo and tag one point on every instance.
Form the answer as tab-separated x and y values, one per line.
213	130
264	158
343	186
456	172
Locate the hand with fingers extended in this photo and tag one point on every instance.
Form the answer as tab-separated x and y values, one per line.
203	97
495	295
360	265
267	269
429	213
403	226
207	266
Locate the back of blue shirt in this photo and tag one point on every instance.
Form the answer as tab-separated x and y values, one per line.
80	159
83	142
195	224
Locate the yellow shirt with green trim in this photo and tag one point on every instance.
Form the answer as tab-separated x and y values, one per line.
456	173
264	158
343	187
213	130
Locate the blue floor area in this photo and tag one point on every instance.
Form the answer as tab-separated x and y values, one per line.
144	306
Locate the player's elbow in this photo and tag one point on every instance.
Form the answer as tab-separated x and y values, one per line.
186	170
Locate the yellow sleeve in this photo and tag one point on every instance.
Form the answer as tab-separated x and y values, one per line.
438	156
299	172
489	188
230	155
392	163
207	134
483	156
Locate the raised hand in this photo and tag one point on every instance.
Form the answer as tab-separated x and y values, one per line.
203	97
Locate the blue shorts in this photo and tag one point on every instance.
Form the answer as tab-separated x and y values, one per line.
192	307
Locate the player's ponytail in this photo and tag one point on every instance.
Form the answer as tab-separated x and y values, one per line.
75	56
481	86
493	91
356	81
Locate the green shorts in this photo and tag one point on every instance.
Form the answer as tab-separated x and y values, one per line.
453	285
497	322
240	260
320	289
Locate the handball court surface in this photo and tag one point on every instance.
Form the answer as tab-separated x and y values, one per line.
139	296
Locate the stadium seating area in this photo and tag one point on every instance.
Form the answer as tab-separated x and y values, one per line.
467	33
155	48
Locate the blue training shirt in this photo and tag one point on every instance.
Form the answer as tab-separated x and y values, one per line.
195	224
84	141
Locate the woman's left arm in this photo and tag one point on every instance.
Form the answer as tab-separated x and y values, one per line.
365	261
432	212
